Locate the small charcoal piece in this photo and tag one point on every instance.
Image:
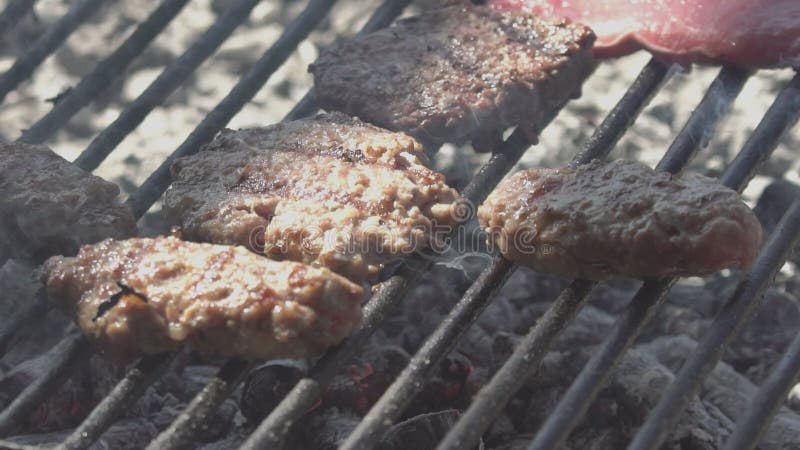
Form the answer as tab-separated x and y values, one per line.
621	218
457	73
222	300
50	206
329	191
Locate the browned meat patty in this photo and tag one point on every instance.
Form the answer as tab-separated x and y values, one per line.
330	191
457	73
149	296
620	218
49	206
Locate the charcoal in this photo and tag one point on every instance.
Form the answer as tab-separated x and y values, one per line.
324	430
266	385
358	386
421	432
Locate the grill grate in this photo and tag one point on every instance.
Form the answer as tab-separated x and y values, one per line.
270	433
643	306
25	65
13	12
168	80
533	347
747	298
104	74
130	388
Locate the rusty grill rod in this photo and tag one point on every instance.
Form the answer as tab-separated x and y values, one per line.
766	402
167	81
41	48
530	351
781	115
402	391
13	12
748	297
104	73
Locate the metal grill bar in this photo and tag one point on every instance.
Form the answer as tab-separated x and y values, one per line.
747	298
650	296
766	402
168	80
402	391
25	65
305	393
247	87
530	351
780	118
13	13
66	355
104	74
272	430
182	431
400	394
649	82
131	387
701	126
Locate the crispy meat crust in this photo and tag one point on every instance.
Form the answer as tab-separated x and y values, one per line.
49	206
457	73
149	296
329	191
621	218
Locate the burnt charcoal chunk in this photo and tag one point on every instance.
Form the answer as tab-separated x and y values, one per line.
329	191
457	73
621	218
266	386
50	206
222	300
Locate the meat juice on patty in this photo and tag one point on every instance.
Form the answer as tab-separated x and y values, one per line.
610	219
330	191
149	296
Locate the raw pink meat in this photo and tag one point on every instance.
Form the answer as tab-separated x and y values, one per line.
753	33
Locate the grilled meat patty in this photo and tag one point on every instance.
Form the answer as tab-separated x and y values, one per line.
149	296
620	218
457	73
329	191
49	206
